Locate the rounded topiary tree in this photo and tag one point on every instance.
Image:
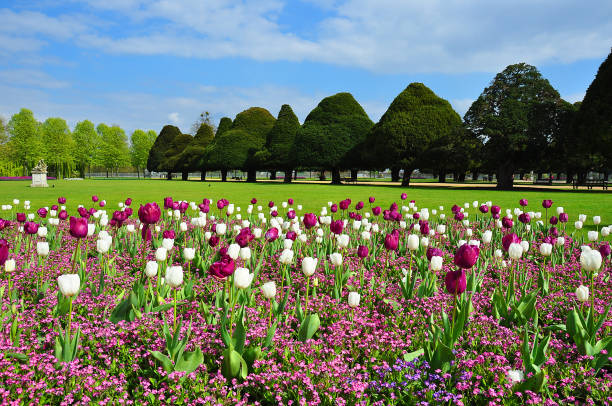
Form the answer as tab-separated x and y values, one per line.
279	144
194	153
329	132
235	147
157	153
414	121
173	159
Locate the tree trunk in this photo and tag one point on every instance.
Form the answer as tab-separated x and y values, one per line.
505	177
336	177
169	175
251	176
272	175
461	177
202	175
540	175
185	175
138	172
322	175
475	176
224	175
288	175
395	174
442	176
406	178
354	175
107	172
295	174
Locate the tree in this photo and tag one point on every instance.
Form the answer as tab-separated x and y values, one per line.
25	139
157	153
59	145
593	124
194	153
173	161
235	148
224	124
114	151
204	119
140	145
86	144
279	143
329	132
503	118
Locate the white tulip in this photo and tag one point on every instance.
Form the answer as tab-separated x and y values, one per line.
104	221
230	209
286	257
515	251
9	265
257	232
498	253
487	236
582	293
461	243
42	232
161	254
578	225
441	228
177	214
69	284
31	216
375	228
245	253
515	376
525	246
560	210
592	236
242	278
582	217
151	269
130	228
546	249
413	242
425	242
268	289
416	228
103	245
189	254
319	240
590	261
605	231
365	235
468	232
436	263
303	238
343	240
174	276
233	251
320	232
336	259
221	229
42	248
15	202
183	226
561	241
309	265
475	243
207	235
168	243
353	299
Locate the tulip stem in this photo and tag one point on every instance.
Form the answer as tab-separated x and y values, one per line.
174	309
270	315
9	288
69	318
454	315
307	289
76	253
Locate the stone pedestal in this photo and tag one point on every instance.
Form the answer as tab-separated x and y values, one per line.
39	179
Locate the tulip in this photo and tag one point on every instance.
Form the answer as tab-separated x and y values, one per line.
271	234
563	217
336	259
546	249
32	228
168	243
515	376
362	251
78	227
233	251
42	249
149	213
436	263
455	282
590	260
392	241
161	254
413	242
309	265
9	266
509	239
242	278
582	293
221	229
286	257
466	256
188	254
4	251
515	251
353	299
336	226
151	269
69	285
268	289
310	220
523	202
222	268
604	250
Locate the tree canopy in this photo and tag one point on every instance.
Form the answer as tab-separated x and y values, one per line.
26	140
157	153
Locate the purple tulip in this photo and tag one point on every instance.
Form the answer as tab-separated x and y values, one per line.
42	212
359	205
30	227
272	234
83	212
344	204
291	214
376	210
62	215
21	217
466	256
222	268
253	201
291	235
336	226
425	228
455	282
270	204
371	199
290	201
434	252
334	208
204	208
455	209
391	241
168	203
507	222
509	239
102	203
547	204
78	227
274	213
149	213
169	234
554	220
310	220
213	241
95	198
563	217
61	200
523	202
604	250
459	216
483	208
524	218
416	216
4	251
362	251
495	210
553	231
128	201
54	207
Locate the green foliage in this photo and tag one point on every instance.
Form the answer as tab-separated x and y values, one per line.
534	358
193	154
224	124
236	147
157	153
414	122
330	131
514	117
114	151
279	143
592	129
173	161
86	144
25	138
141	143
59	145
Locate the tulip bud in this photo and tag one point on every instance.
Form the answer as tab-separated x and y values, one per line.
268	289
242	278
353	299
309	265
151	269
582	293
161	254
69	284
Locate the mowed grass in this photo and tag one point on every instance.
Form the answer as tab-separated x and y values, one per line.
311	196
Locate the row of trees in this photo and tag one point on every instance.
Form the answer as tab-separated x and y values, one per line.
518	124
24	141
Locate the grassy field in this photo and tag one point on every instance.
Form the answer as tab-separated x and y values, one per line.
311	196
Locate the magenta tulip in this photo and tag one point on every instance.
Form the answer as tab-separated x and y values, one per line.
30	228
149	213
455	282
310	220
547	204
4	251
510	239
466	256
362	251
78	227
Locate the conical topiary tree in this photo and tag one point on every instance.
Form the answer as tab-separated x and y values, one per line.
173	161
415	120
194	153
329	132
157	153
277	155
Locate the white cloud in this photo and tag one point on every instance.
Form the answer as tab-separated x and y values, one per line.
174	118
33	78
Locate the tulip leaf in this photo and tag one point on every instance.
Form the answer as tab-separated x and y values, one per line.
413	355
232	364
239	336
190	361
165	361
309	327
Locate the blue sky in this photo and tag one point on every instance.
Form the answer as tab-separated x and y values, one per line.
144	64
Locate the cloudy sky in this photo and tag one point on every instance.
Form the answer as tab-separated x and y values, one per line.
144	64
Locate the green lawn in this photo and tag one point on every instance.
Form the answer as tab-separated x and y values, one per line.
311	196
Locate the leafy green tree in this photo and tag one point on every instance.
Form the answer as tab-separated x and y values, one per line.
59	145
204	119
224	124
330	131
194	153
86	144
157	153
513	116
114	151
173	161
141	143
277	154
235	148
26	140
592	127
457	152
